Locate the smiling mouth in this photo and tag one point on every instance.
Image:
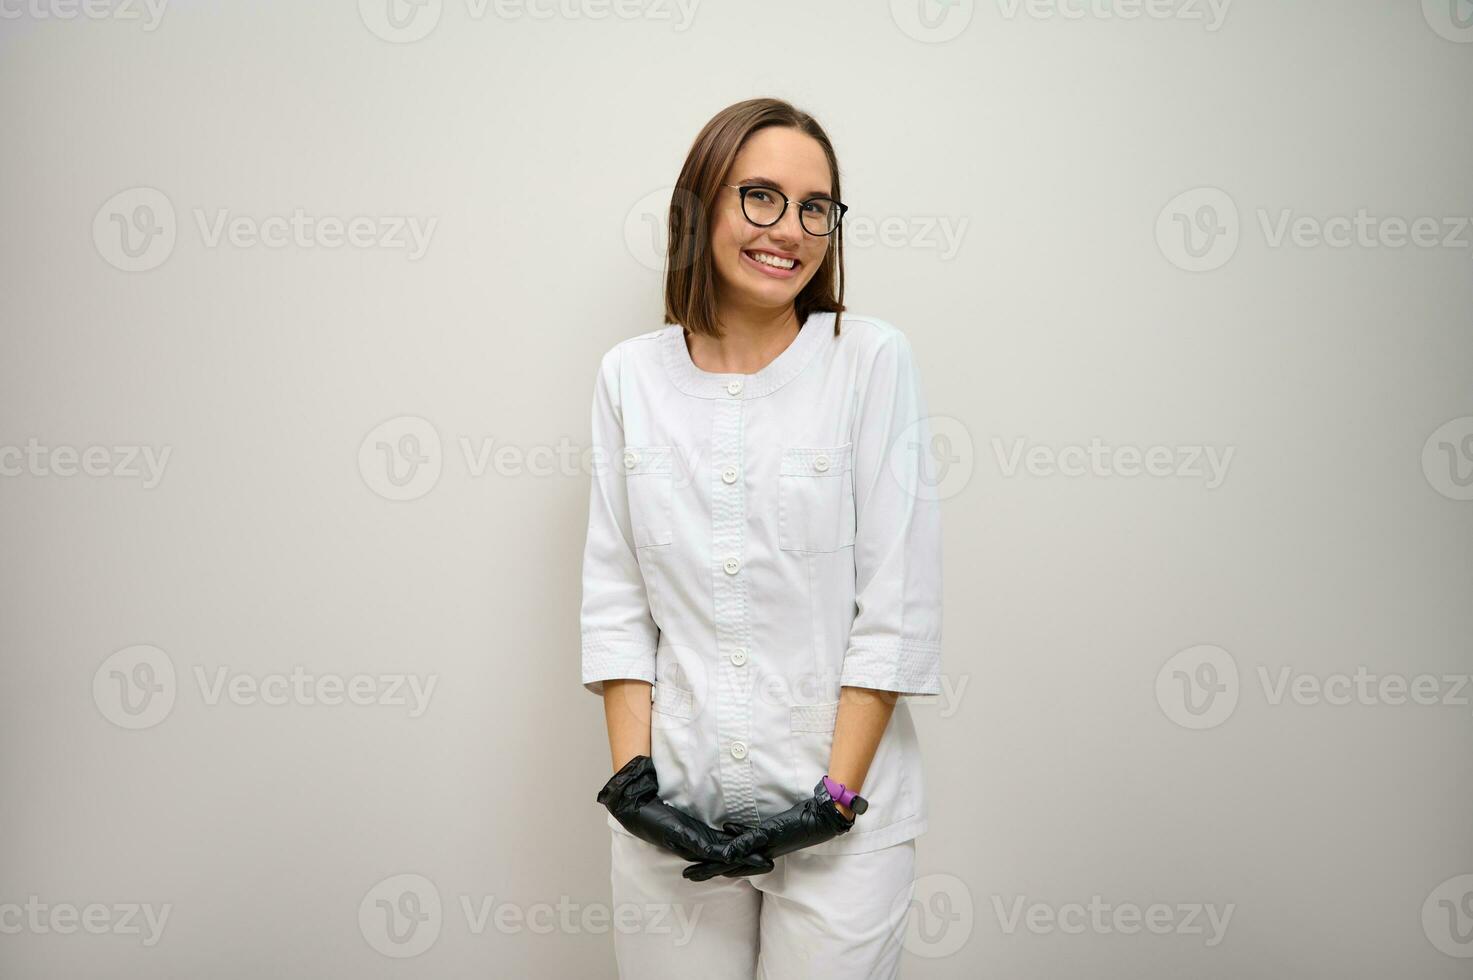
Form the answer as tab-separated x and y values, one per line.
771	261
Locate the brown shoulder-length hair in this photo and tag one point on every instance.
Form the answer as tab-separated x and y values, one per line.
690	275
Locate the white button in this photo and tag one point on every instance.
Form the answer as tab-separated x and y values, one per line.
630	458
821	463
739	656
734	388
731	566
738	750
729	474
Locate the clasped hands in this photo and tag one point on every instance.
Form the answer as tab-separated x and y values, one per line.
632	795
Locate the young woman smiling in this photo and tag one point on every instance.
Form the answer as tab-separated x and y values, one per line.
762	581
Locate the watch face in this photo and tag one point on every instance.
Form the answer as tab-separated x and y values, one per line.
859	804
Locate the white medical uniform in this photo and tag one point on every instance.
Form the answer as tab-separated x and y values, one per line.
755	542
812	917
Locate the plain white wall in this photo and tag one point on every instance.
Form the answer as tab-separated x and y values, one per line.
1021	175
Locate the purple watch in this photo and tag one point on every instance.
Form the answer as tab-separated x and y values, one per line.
845	796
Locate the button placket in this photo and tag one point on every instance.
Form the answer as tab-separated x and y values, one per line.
730	588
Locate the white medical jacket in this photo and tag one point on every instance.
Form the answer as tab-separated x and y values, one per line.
755	542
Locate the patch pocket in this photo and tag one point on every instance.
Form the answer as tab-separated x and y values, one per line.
811	741
816	498
813	717
673	701
649	475
672	746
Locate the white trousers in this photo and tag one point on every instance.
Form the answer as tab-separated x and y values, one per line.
811	916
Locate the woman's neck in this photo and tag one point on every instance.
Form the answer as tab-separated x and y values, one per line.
751	342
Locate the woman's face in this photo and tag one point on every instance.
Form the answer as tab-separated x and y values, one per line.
794	163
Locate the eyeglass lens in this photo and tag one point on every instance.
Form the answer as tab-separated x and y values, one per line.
763	206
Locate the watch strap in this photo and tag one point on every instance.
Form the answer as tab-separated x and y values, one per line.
844	796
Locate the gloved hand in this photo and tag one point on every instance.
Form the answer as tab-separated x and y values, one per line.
804	824
632	795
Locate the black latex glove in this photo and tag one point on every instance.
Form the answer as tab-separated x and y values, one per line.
632	795
804	824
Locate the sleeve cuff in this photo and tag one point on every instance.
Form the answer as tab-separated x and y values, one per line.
607	658
905	666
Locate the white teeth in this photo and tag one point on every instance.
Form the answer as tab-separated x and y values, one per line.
772	260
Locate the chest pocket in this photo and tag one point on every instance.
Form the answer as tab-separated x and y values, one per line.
650	477
816	498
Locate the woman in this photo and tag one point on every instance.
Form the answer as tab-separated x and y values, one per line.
761	582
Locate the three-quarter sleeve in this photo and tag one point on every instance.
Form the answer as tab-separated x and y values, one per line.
619	635
895	641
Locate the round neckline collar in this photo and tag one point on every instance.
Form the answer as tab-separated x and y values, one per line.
779	371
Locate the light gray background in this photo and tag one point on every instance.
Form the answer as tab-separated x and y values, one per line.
1335	542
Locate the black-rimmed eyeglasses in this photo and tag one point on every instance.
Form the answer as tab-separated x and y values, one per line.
764	206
